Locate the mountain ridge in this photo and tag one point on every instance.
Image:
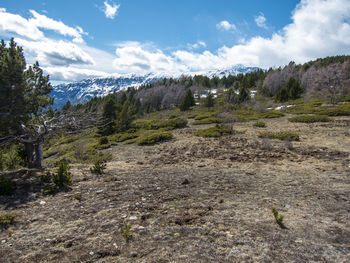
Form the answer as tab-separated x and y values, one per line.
82	91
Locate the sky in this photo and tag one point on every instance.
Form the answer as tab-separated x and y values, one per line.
78	39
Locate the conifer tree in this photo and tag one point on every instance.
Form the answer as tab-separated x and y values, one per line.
24	94
187	101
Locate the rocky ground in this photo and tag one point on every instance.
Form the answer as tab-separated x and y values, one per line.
195	200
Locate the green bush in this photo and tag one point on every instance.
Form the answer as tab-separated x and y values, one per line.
99	167
7	219
309	118
283	136
12	159
340	110
169	124
150	138
103	140
259	124
215	131
206	115
7	187
206	121
62	178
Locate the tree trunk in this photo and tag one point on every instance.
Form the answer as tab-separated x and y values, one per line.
34	154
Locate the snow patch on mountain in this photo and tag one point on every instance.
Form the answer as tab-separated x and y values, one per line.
84	90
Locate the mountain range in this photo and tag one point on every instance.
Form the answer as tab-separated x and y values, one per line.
82	91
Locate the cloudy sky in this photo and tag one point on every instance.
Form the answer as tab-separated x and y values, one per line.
77	39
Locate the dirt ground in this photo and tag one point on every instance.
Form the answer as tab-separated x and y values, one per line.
195	200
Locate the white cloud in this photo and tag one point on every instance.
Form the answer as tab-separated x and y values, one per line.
15	24
2	9
226	26
42	21
73	74
51	52
319	28
110	10
138	58
260	21
198	44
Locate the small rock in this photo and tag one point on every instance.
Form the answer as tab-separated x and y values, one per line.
3	241
287	206
91	253
42	202
99	191
133	254
185	182
133	218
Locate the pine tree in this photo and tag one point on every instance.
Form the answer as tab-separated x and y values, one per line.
24	94
209	100
187	101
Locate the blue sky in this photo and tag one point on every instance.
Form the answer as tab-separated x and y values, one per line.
77	39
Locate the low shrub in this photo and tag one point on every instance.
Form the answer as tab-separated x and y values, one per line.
215	131
103	140
206	115
283	136
7	219
259	124
7	187
149	138
340	110
309	118
121	137
169	124
12	159
99	167
206	121
278	218
62	178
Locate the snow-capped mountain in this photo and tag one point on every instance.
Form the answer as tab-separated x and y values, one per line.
82	91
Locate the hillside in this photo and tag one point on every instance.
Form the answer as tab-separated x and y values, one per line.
317	77
193	199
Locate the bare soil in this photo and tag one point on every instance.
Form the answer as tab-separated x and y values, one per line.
195	200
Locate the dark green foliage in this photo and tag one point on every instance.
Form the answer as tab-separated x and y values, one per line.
7	187
99	167
154	137
108	115
310	118
206	121
24	92
243	94
209	100
66	106
62	178
283	136
291	90
188	101
103	140
216	131
259	124
7	219
278	218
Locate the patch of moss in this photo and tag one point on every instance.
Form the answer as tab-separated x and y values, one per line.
339	110
309	118
259	124
206	121
216	131
152	137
